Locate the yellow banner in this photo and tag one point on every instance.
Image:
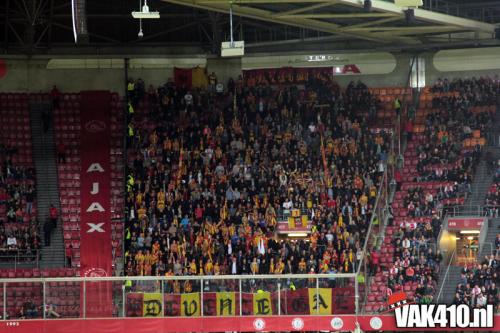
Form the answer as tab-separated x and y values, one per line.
226	304
190	305
320	302
152	305
262	303
199	78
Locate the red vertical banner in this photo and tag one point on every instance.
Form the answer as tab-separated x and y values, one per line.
183	77
134	305
210	304
95	216
172	305
297	302
247	304
343	300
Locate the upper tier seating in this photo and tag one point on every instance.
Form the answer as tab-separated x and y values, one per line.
19	233
444	148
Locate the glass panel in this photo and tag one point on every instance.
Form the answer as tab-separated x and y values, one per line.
185	301
62	299
259	297
118	298
2	298
221	297
24	300
294	296
335	295
142	298
99	299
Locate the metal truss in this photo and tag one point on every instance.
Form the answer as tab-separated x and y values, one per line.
194	26
384	24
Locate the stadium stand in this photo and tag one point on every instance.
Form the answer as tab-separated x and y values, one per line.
67	133
443	150
479	284
19	232
203	192
202	200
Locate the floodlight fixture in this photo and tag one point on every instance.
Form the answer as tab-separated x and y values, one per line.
144	12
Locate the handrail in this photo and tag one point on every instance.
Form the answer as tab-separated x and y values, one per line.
446	275
482	247
368	233
479	210
20	256
182	278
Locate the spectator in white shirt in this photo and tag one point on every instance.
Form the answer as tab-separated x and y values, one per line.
406	243
11	242
480	300
188	98
288	204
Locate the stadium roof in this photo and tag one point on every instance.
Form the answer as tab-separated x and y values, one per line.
198	26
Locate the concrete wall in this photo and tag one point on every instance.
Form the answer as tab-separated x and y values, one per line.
432	74
32	75
224	68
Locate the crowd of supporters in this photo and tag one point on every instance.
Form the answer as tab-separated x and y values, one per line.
444	157
479	281
479	284
471	92
492	200
19	232
416	258
212	172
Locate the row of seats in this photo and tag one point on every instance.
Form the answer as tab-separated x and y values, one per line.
379	287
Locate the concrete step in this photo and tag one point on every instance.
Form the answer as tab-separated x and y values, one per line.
44	156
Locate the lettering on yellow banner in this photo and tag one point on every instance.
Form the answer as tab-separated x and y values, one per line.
262	304
152	305
190	305
320	301
226	304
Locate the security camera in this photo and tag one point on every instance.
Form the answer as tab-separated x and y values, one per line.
140	34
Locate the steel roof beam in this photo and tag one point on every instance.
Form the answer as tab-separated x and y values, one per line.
251	2
338	16
269	16
305	9
371	23
425	15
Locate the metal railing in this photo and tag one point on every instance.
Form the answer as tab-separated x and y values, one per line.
373	236
466	210
18	257
284	214
446	275
490	246
298	294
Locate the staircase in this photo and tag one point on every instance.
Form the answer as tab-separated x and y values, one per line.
448	281
44	157
450	275
489	242
482	179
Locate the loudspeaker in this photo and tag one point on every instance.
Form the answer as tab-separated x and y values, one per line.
367	5
410	16
497	33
